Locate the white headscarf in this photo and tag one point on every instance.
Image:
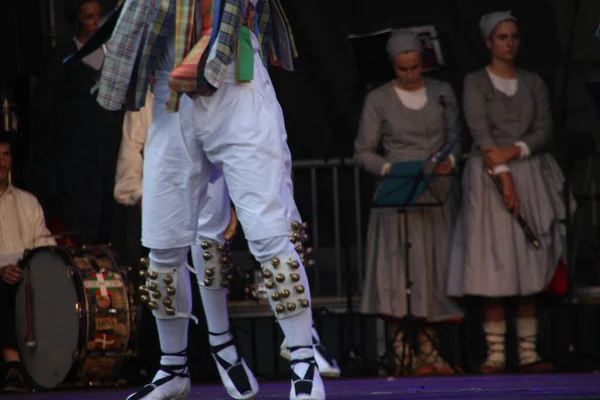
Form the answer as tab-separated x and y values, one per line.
489	22
403	42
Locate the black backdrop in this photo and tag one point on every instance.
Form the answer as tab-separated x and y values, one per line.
322	98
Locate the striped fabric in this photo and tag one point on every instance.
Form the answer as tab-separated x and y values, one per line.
184	38
283	48
162	23
221	53
184	78
121	57
129	64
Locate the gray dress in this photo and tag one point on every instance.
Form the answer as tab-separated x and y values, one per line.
406	134
490	255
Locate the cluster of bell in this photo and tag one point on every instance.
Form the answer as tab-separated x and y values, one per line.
225	261
150	292
283	295
299	238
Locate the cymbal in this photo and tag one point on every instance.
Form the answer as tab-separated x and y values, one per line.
60	235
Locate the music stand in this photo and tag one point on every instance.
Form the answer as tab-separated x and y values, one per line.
406	183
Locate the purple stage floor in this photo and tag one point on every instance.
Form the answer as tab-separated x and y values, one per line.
467	387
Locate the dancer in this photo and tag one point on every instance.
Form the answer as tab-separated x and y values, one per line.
129	188
233	127
508	113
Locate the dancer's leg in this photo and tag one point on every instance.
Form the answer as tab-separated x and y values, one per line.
212	260
240	135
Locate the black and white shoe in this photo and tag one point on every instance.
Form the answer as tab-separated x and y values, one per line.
171	382
238	379
14	380
328	366
310	385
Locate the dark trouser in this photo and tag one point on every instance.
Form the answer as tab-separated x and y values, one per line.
8	338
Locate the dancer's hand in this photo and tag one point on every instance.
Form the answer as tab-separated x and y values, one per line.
509	193
232	227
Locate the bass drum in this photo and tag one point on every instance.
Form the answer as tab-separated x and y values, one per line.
76	316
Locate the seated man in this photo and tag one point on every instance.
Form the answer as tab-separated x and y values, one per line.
128	192
23	227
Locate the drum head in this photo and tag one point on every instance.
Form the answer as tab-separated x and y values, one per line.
55	319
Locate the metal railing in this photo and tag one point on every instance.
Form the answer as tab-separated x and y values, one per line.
327	183
344	188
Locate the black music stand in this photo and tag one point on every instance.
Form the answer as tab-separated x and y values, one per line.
402	189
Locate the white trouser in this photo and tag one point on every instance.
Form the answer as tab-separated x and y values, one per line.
240	131
237	130
182	186
171	201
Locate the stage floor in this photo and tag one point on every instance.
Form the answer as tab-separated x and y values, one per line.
513	387
468	387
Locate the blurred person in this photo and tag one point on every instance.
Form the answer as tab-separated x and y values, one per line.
79	140
22	227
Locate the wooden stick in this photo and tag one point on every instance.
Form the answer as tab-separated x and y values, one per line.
522	223
30	340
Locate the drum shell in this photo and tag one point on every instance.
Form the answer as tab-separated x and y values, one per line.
94	297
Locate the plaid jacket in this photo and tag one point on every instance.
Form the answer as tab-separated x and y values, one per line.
140	36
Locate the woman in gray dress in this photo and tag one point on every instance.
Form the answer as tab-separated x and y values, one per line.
411	118
508	113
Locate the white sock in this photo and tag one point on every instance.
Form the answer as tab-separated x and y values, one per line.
494	334
527	333
173	333
297	329
217	318
298	332
214	302
316	336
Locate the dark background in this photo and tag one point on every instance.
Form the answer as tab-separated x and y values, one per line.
322	99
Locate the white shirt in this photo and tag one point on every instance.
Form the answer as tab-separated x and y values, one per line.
22	225
414	100
130	164
95	59
507	86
